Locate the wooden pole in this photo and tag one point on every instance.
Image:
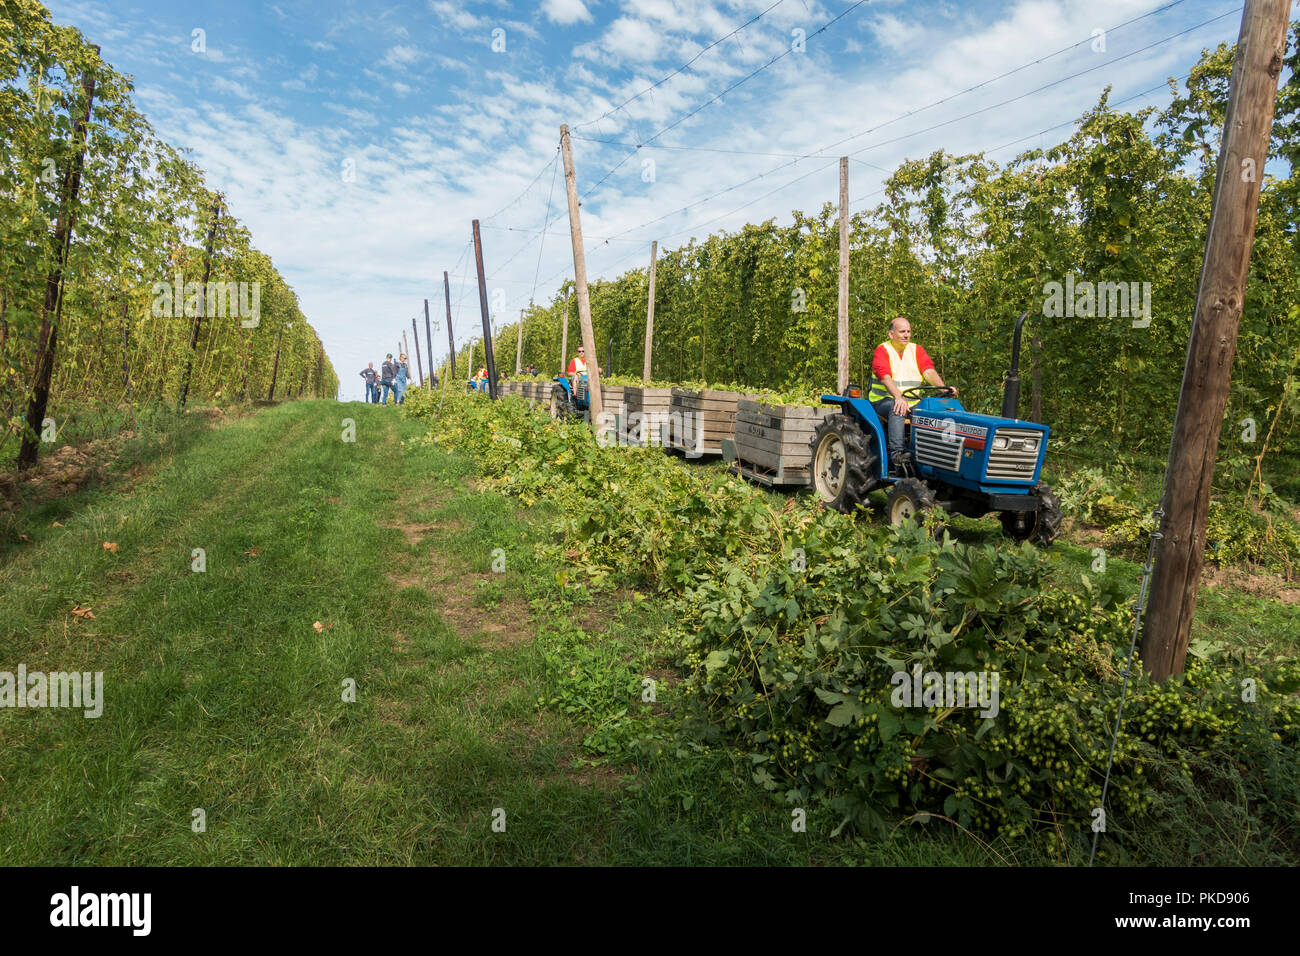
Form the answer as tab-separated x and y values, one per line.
1212	345
428	341
842	366
275	367
203	303
451	340
126	363
419	366
487	321
564	338
650	313
519	345
52	309
580	279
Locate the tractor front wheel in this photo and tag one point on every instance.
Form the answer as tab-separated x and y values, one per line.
844	465
910	500
1041	526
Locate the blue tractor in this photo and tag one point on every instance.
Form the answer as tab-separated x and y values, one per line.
568	401
961	461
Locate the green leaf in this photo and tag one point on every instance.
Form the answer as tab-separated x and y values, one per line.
842	715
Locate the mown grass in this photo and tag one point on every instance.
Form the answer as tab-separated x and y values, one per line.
221	696
477	690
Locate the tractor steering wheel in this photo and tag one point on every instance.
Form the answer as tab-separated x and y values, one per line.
944	389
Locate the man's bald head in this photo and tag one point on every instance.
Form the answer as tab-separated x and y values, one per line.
900	330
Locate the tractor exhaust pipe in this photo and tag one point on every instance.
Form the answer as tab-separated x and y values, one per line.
1011	390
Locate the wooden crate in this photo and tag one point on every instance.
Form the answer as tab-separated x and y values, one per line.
647	414
700	419
773	442
614	407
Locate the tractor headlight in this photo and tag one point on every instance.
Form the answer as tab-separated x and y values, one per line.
1031	444
999	443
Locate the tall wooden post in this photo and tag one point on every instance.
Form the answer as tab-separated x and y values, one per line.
564	338
52	308
580	280
126	361
488	352
519	345
842	367
650	312
428	341
275	367
451	340
1261	47
419	366
203	304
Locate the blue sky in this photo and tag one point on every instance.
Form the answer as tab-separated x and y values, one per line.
357	141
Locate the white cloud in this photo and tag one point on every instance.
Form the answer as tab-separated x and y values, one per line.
566	11
401	89
625	39
232	87
896	35
453	14
401	55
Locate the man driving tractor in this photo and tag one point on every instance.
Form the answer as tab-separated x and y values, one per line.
899	364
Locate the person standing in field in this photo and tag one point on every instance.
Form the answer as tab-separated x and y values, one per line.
387	376
372	383
400	381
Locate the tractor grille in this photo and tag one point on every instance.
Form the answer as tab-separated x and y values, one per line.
938	449
1015	462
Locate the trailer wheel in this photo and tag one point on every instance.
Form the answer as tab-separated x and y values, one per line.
1041	526
910	500
844	464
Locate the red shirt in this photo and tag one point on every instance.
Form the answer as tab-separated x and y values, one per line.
573	366
880	366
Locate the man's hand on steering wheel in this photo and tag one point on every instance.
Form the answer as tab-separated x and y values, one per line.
948	390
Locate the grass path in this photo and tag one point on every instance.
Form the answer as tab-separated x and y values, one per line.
221	695
475	689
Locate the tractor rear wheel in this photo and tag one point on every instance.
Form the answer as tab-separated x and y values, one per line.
844	464
1041	526
562	405
910	500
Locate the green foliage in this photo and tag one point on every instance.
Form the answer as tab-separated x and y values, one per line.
142	216
1236	533
961	245
795	622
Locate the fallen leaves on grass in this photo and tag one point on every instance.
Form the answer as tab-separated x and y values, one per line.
253	551
57	524
319	627
110	546
85	612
